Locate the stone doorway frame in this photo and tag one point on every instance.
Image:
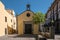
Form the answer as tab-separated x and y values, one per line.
27	22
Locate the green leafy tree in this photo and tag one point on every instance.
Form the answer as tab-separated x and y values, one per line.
38	18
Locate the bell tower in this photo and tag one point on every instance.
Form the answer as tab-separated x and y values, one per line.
28	6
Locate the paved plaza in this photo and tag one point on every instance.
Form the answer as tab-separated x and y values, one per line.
15	38
57	37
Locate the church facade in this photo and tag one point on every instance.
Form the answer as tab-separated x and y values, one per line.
25	24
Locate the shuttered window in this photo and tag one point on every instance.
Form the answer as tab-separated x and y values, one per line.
5	19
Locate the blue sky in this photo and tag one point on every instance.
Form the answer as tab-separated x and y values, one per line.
20	5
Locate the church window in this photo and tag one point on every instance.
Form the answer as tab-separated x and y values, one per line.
28	15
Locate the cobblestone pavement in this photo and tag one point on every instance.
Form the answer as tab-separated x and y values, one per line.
57	37
17	38
13	37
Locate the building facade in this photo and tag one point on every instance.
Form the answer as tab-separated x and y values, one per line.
11	22
7	20
25	23
53	15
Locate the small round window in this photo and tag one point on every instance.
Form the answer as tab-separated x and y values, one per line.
28	14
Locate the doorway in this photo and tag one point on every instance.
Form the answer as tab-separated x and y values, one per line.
28	29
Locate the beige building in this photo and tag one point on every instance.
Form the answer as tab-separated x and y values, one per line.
7	20
25	23
11	22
